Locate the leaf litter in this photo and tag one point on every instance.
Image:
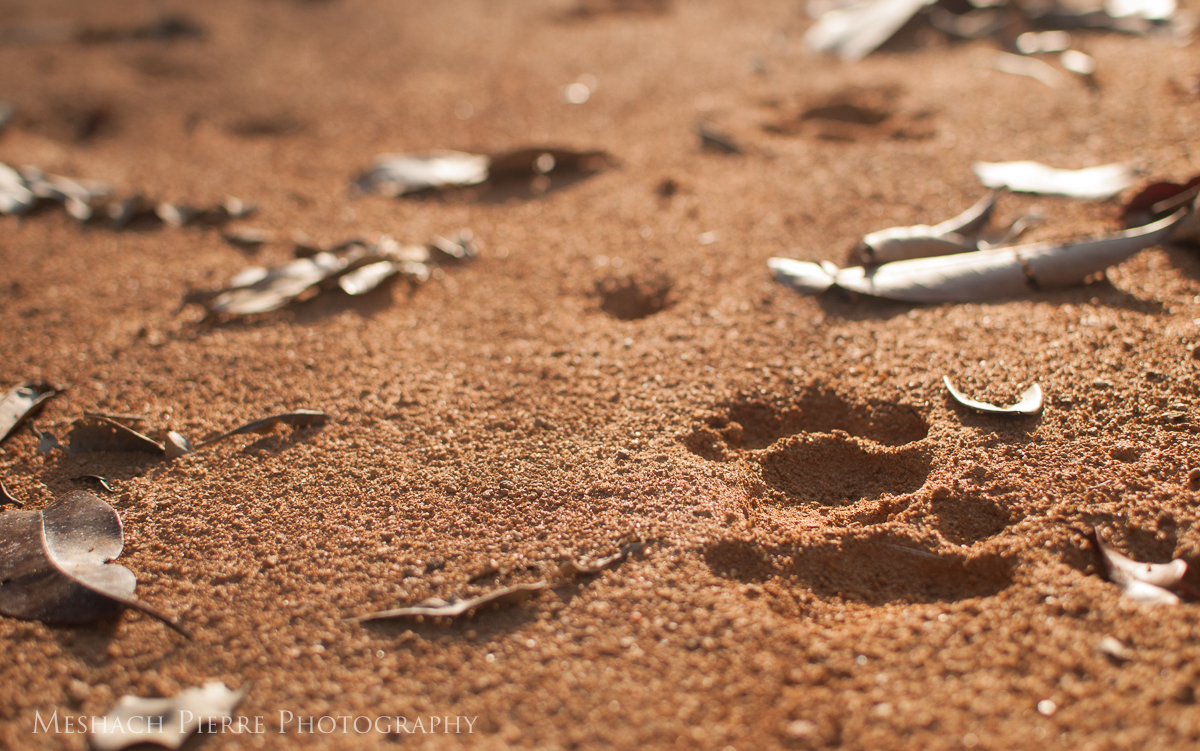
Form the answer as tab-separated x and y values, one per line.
1030	402
17	404
435	607
1093	183
55	563
854	29
175	718
1144	583
354	267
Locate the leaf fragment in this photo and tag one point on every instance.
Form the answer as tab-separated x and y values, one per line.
714	139
89	434
1093	183
175	718
55	563
856	31
1144	583
1030	402
438	608
956	235
7	498
301	418
16	405
399	174
579	568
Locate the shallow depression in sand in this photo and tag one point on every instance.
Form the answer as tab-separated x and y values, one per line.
820	447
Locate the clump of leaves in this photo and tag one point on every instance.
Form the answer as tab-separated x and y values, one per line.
354	267
96	433
55	563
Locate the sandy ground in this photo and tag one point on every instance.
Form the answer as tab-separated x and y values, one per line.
836	555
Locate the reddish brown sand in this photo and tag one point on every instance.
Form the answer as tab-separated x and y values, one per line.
836	555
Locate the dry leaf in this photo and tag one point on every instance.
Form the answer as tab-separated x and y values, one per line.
530	162
973	276
577	568
7	498
18	404
301	418
90	434
259	290
957	235
1112	647
174	719
98	479
1030	67
1095	183
54	563
15	195
438	608
856	31
714	139
399	174
1029	404
1144	583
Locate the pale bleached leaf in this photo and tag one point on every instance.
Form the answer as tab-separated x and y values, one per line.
956	235
437	608
856	31
978	275
1030	402
1029	67
583	568
398	174
1144	583
165	722
1094	183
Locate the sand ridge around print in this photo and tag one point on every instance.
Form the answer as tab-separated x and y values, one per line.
834	553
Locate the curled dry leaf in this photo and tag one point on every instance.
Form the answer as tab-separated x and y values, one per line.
715	139
260	290
98	479
973	276
1029	404
54	563
16	405
1144	583
438	608
7	498
166	722
955	235
1029	67
856	31
301	418
399	174
578	568
1094	183
90	434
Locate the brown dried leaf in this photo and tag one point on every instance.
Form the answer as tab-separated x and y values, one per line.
437	608
301	418
54	563
174	719
18	404
90	434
